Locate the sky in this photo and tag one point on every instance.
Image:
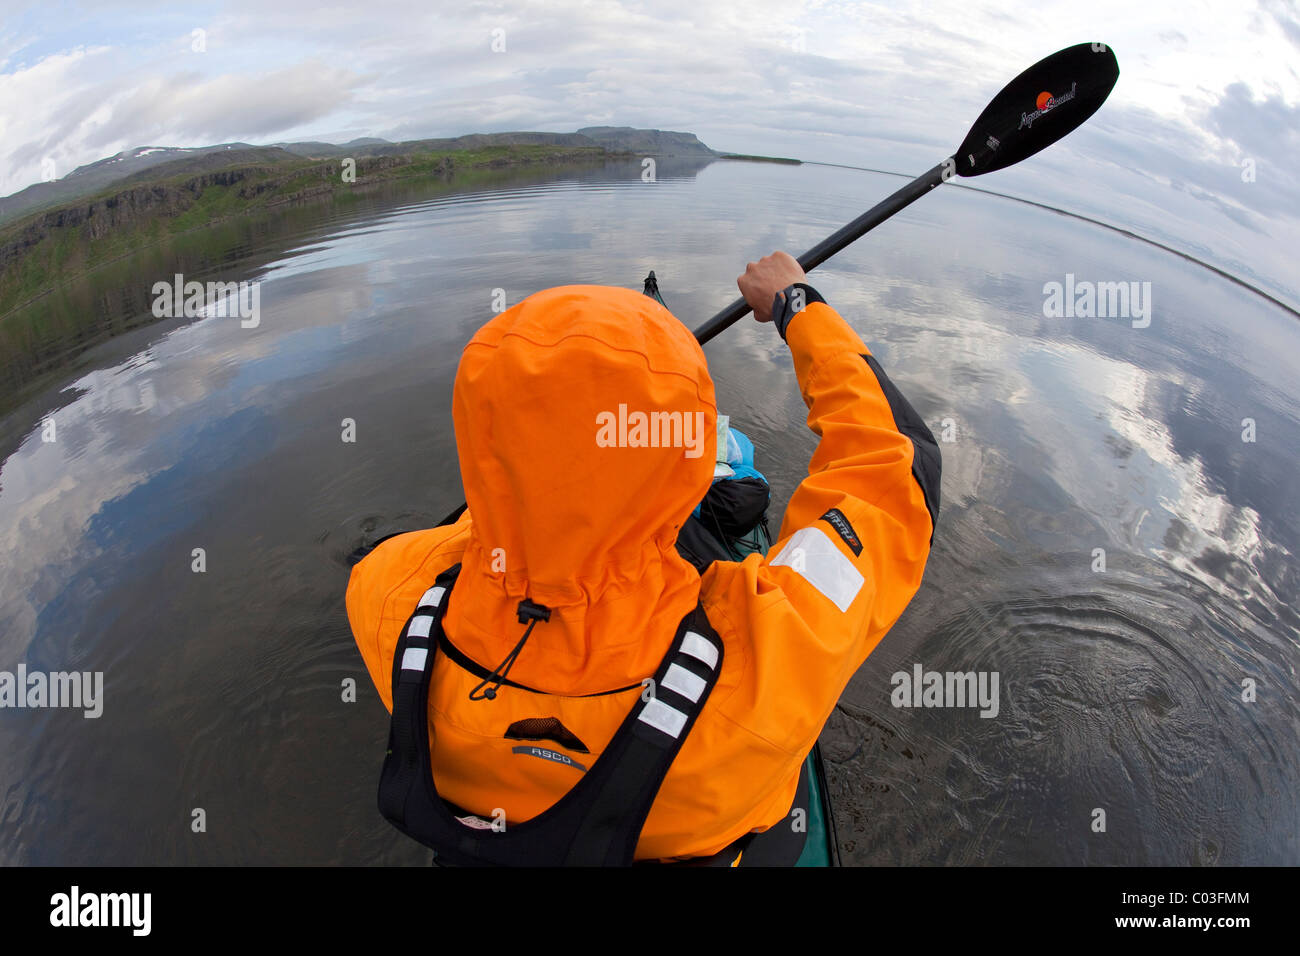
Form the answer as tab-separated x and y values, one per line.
1194	148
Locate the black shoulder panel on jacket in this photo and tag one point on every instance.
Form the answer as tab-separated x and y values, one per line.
927	465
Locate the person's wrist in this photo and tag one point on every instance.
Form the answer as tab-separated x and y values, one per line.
791	301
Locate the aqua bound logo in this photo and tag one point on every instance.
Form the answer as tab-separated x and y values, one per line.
1046	102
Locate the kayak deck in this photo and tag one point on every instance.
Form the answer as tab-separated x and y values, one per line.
822	848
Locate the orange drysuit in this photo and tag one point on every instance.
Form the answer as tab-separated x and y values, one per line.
574	506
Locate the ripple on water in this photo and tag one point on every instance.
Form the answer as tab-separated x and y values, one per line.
1124	699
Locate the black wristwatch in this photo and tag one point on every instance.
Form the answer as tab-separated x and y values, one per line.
790	301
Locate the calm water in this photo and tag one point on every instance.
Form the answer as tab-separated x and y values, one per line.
1120	690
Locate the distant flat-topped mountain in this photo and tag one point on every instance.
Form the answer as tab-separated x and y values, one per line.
145	163
652	142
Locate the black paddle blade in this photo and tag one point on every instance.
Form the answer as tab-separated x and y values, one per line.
1047	101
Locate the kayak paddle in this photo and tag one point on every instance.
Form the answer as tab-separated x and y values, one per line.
1044	103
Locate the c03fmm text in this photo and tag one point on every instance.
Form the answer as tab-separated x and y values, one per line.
102	909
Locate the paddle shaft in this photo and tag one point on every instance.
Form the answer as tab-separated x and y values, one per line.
834	243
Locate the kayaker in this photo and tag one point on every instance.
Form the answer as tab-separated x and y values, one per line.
572	658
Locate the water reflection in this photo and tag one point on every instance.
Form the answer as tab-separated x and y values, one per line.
1121	689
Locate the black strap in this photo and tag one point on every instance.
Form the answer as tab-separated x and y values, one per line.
598	823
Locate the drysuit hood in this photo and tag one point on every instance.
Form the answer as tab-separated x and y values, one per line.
586	429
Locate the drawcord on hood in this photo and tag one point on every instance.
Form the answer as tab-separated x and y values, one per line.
529	613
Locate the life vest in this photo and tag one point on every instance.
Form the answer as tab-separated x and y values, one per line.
598	823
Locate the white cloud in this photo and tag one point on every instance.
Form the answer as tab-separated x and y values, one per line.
879	84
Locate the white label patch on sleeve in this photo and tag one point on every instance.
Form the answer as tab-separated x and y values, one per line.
815	556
